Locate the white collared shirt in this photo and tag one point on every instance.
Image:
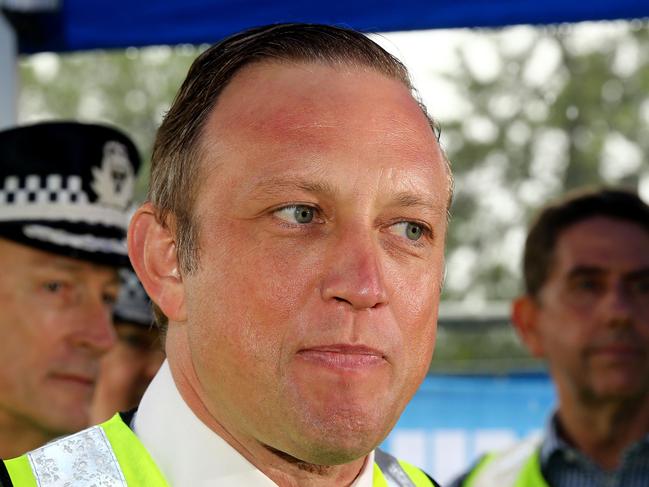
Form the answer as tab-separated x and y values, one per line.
188	453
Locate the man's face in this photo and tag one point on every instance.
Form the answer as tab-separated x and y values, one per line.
55	323
592	320
126	370
322	217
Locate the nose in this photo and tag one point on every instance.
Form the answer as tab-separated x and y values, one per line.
353	272
95	331
619	306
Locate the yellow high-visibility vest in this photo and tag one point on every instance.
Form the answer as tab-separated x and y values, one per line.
517	467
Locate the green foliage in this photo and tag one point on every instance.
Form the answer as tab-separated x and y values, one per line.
562	113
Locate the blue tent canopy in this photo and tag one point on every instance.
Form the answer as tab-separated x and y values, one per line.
70	25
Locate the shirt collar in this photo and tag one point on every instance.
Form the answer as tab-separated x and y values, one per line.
187	452
553	442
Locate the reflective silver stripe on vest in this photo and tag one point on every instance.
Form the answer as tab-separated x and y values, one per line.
395	475
85	459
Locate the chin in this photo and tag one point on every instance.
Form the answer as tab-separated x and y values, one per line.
69	420
341	437
621	391
333	451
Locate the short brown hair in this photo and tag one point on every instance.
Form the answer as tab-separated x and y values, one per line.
175	164
557	216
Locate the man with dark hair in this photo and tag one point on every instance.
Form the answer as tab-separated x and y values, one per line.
293	244
586	311
128	368
64	191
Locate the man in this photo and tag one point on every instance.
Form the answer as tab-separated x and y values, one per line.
128	368
64	189
293	245
586	311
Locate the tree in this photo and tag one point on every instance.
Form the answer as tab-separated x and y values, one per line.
568	108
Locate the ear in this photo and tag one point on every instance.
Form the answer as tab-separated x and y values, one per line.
152	250
525	317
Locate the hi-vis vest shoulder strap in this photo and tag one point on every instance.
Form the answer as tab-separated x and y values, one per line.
516	467
110	455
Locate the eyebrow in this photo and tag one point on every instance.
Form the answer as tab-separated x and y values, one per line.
593	270
411	200
279	186
585	270
639	274
72	267
58	264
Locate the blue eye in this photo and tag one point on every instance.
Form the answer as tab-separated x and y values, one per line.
301	214
412	231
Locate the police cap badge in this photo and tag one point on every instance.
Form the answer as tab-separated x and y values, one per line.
66	187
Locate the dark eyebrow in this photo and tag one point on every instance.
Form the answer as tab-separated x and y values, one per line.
639	274
593	271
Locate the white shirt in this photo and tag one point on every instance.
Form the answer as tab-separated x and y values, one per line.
188	453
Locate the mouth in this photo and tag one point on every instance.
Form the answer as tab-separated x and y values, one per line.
619	351
343	357
75	379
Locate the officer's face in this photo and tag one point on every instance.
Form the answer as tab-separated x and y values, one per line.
322	216
55	324
591	318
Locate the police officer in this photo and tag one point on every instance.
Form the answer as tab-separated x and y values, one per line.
64	191
127	369
293	244
586	311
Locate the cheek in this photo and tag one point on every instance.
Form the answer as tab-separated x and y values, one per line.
259	278
33	339
415	303
286	282
563	335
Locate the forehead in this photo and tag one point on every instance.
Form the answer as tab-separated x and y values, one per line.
605	243
310	88
284	112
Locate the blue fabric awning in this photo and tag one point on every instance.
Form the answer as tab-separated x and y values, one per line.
70	25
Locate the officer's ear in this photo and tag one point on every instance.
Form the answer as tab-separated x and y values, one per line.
525	317
152	250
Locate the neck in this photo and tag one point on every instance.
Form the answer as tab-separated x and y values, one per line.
281	468
18	436
604	430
